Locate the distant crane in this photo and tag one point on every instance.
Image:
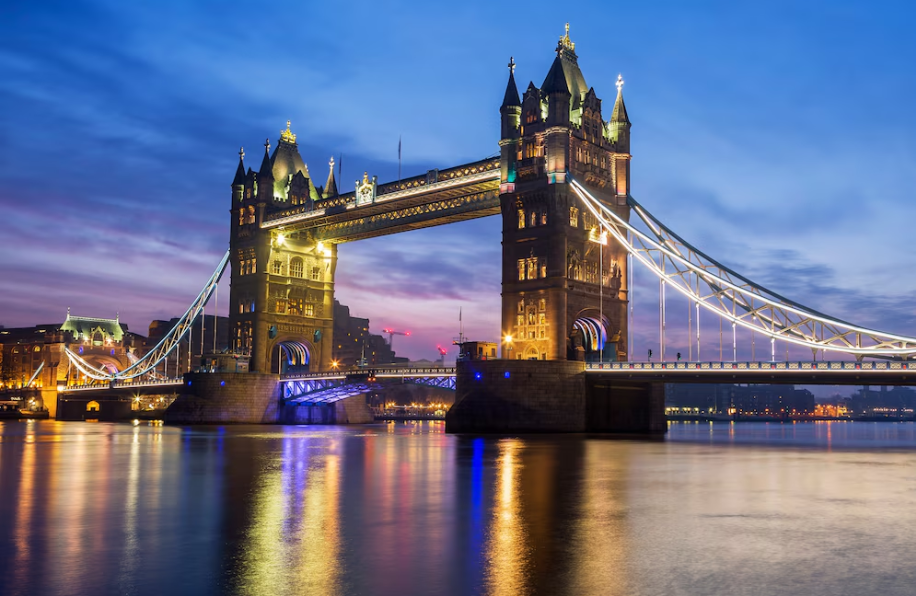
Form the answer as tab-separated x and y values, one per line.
391	333
442	353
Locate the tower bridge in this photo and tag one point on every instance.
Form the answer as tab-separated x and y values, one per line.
572	232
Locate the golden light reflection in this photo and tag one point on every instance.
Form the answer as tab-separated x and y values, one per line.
507	545
26	502
599	565
293	547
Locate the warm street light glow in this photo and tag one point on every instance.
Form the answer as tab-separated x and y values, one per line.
335	364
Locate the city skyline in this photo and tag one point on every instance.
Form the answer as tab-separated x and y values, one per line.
792	145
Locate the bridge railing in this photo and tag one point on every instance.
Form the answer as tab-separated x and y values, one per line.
120	385
753	366
441	371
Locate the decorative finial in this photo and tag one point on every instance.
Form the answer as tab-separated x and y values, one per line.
287	134
241	153
565	42
331	163
365	177
511	65
267	144
619	83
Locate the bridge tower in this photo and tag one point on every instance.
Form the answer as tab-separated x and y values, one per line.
564	294
282	293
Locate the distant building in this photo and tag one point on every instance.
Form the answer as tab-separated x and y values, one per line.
883	402
747	400
355	346
33	360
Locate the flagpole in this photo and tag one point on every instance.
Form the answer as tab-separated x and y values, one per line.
399	160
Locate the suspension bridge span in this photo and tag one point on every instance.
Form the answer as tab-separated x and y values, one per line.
572	235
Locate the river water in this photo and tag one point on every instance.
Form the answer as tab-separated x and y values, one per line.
810	509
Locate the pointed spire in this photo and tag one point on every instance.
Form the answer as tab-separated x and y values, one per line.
511	98
240	171
555	82
619	115
266	168
330	188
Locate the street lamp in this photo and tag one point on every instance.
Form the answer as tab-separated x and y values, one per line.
601	240
508	340
335	364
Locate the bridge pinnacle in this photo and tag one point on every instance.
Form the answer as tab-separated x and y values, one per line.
511	65
287	135
241	153
619	83
267	144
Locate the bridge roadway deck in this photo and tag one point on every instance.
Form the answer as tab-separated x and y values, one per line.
783	373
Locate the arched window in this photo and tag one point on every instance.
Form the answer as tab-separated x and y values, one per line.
250	214
276	267
295	267
242	216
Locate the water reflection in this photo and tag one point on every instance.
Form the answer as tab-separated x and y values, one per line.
400	509
507	546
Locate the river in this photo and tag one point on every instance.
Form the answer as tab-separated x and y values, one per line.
826	508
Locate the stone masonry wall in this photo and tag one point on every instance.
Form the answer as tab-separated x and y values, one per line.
496	396
217	398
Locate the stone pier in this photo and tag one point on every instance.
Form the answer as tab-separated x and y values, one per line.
252	398
509	396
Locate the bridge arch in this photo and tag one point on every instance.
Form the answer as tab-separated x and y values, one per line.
291	355
592	330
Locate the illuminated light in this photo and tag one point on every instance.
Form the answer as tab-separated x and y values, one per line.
506	374
478	375
321	247
281	239
221	383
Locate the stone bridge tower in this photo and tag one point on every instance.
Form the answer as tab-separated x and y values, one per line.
282	294
564	294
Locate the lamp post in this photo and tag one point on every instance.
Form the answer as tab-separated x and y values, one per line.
601	240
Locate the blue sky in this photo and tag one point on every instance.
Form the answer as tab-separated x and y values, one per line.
779	137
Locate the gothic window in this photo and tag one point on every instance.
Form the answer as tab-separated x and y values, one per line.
280	306
574	217
543	268
532	317
521	269
310	310
544	217
542	304
295	306
521	306
276	267
534	219
316	273
248	193
242	216
532	268
294	199
250	214
295	267
542	318
521	219
520	320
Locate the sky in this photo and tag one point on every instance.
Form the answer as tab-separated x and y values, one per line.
778	137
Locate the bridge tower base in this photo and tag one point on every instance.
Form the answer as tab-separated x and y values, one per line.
509	396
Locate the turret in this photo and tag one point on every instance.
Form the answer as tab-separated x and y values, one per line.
620	135
265	175
620	122
330	188
510	115
238	183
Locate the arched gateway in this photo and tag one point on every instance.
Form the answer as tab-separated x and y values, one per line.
285	229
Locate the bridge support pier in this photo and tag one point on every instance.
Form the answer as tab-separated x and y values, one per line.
509	396
219	398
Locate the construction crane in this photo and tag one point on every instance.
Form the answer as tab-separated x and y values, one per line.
391	333
442	353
